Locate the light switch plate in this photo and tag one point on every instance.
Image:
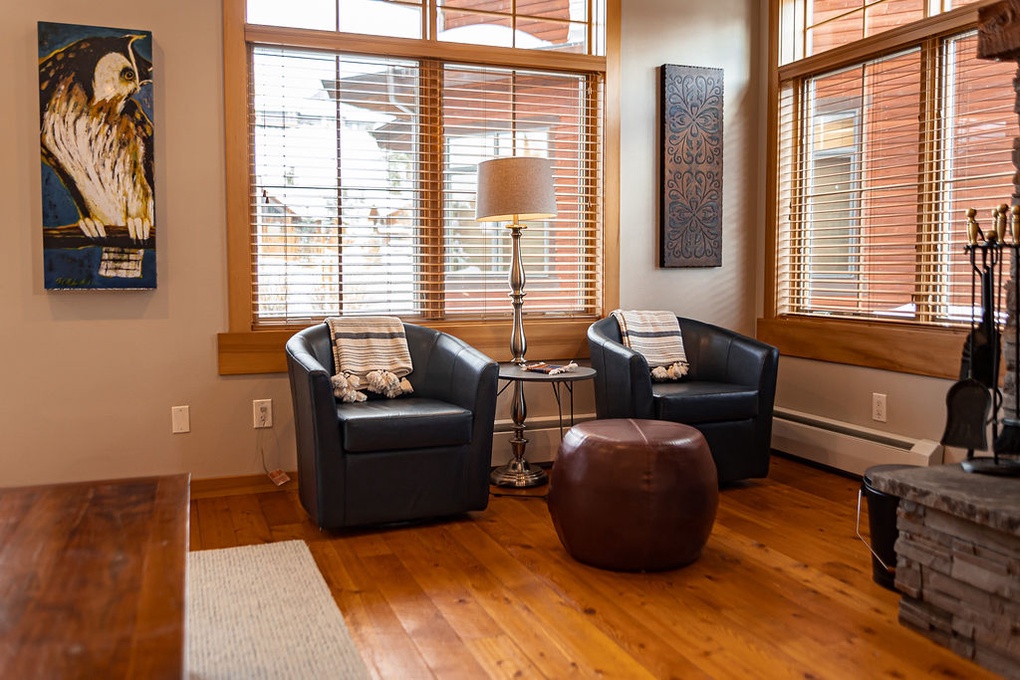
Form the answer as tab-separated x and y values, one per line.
180	419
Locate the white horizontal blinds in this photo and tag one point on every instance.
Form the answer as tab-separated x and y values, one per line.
790	219
856	174
978	126
363	166
876	161
364	182
338	184
492	112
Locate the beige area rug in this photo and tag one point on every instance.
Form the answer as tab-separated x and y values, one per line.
264	611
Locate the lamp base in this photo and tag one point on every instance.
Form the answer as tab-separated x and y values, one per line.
520	474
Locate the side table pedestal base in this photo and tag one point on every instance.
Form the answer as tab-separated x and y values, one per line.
518	473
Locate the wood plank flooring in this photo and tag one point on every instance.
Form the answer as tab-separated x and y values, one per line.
783	590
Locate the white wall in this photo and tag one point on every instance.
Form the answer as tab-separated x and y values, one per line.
719	34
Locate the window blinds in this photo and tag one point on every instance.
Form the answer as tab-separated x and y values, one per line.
363	181
878	161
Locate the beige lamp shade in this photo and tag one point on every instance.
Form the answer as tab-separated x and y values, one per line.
518	187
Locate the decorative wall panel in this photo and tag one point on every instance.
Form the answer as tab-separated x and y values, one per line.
692	148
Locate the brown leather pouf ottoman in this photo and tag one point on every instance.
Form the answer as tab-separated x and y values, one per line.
633	495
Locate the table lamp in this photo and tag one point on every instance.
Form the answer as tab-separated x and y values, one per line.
511	189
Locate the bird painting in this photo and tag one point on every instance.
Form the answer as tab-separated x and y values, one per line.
97	139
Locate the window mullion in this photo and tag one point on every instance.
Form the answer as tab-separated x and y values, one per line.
798	221
339	235
431	282
930	284
588	167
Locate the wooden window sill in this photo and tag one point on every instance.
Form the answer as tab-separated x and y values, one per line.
932	352
250	352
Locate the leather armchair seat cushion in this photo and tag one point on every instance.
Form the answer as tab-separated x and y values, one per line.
402	423
633	494
704	402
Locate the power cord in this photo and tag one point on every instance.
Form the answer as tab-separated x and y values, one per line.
276	476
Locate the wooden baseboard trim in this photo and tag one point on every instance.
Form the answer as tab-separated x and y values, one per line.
235	486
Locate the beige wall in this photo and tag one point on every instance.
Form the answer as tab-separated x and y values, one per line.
916	405
91	376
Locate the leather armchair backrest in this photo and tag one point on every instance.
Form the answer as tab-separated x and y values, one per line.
316	341
721	355
421	342
607	329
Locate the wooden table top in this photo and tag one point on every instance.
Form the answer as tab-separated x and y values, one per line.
92	579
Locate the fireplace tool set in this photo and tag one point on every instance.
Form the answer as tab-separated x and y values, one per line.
974	401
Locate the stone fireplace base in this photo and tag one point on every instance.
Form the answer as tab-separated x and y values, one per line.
958	560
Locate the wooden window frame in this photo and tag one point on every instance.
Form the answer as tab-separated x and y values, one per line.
900	347
243	350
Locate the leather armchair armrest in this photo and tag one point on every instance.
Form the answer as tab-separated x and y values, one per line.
752	362
450	370
315	423
623	381
311	388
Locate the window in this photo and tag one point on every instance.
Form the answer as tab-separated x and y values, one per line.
365	122
887	129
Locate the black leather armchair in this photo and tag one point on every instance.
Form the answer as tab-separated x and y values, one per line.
419	456
728	393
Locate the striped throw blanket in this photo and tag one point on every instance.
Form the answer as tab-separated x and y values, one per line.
656	336
370	353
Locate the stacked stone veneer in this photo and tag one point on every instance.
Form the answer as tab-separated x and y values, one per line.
958	561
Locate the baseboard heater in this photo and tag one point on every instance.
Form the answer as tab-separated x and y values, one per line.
845	446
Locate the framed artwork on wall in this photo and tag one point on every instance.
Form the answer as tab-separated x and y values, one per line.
96	143
691	167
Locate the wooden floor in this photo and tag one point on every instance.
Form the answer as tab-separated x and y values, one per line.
783	590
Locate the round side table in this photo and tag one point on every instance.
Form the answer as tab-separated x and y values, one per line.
518	472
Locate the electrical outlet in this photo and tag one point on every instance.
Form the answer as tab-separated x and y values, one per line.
262	413
180	419
878	407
